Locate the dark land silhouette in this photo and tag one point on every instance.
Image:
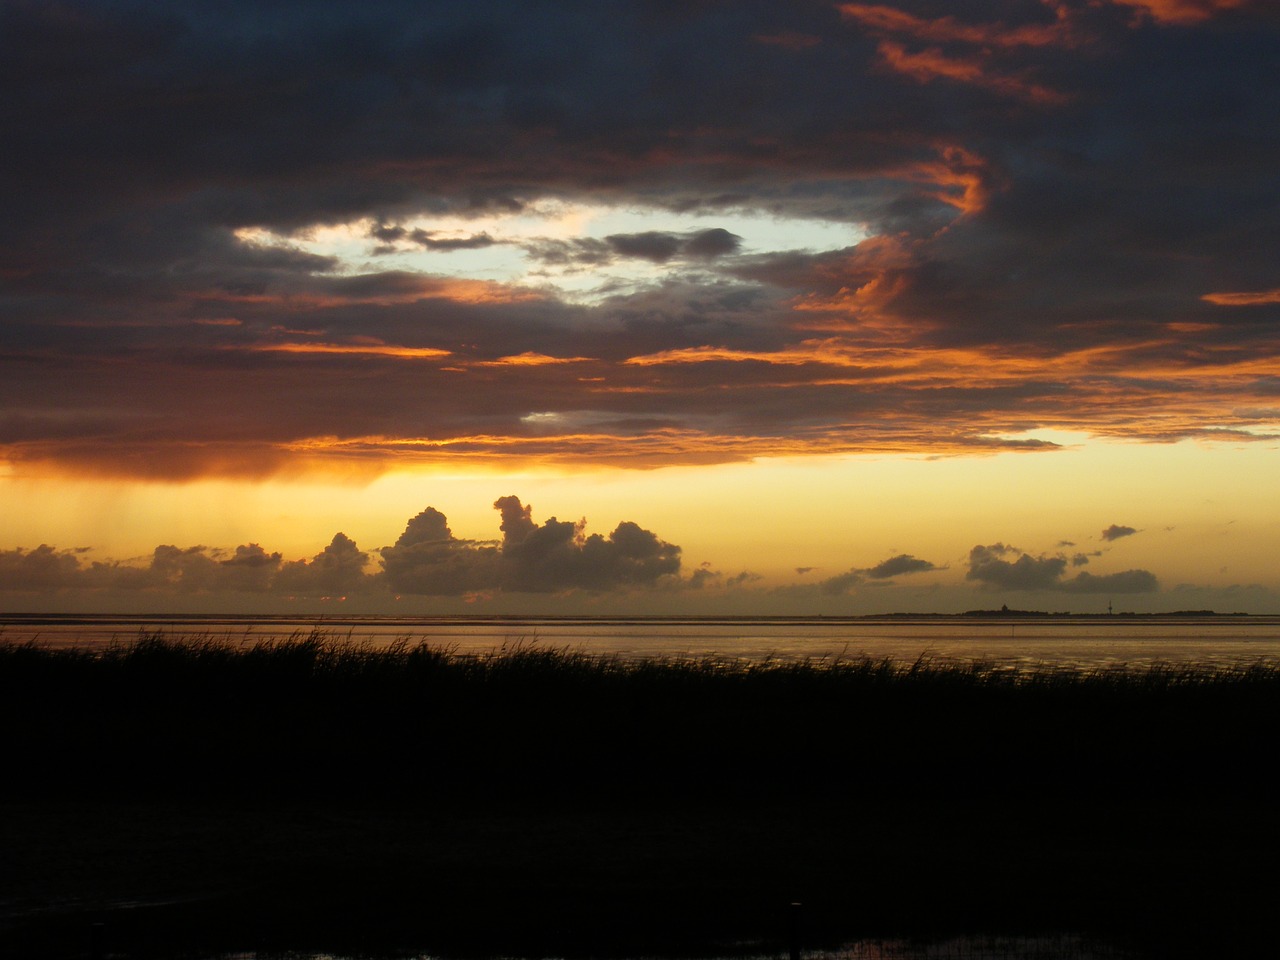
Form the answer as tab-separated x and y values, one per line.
314	795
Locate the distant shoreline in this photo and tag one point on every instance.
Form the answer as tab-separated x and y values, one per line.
70	619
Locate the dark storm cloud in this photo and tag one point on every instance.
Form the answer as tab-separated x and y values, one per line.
1076	199
991	567
1117	532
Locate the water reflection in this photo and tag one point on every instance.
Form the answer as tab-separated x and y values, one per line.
1076	642
1062	947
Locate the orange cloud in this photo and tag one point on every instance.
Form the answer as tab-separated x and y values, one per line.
1244	299
354	349
378	291
974	69
961	174
530	359
932	64
948	29
1183	11
1206	369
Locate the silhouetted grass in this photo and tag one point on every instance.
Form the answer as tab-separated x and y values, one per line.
317	793
166	715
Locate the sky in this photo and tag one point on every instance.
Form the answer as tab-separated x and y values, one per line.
639	307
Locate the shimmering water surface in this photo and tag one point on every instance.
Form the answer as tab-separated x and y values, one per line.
998	640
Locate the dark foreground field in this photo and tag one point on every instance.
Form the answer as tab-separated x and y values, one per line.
306	795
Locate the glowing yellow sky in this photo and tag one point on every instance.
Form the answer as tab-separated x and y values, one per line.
1206	514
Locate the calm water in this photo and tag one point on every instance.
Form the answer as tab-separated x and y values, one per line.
1006	641
964	948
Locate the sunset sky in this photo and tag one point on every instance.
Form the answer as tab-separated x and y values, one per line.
639	307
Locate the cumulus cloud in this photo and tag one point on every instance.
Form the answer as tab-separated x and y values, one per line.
337	570
550	557
426	560
991	567
988	566
557	556
41	569
189	570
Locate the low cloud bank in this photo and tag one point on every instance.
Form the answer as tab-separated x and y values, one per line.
427	559
991	567
550	558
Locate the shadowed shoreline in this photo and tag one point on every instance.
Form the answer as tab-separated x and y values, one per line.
315	795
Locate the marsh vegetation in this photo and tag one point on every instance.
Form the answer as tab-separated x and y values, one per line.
312	793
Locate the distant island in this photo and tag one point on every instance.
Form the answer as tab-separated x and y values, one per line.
1004	611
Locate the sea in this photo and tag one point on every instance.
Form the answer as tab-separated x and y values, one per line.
994	639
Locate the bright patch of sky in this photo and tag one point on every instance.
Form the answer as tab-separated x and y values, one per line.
515	236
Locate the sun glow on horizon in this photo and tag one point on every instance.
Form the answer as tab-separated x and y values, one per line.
729	518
